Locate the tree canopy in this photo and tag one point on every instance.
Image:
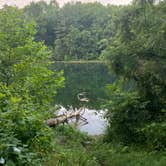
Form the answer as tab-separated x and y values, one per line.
138	53
74	31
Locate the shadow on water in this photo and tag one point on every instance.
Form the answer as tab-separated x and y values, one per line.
92	79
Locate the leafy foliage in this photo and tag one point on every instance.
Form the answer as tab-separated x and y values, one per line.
74	31
27	89
73	147
137	54
131	38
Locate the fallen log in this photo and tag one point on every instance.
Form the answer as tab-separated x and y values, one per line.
63	118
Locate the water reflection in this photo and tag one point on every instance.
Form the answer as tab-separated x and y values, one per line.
92	79
87	77
95	123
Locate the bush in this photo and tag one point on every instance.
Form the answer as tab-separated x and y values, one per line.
22	135
126	114
131	121
71	148
155	134
27	89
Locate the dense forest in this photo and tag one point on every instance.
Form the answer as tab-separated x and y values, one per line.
76	31
130	40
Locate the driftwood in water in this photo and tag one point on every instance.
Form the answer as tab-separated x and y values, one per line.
77	114
63	118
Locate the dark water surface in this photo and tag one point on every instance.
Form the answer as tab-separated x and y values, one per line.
92	79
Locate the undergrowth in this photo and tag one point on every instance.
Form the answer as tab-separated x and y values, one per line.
73	148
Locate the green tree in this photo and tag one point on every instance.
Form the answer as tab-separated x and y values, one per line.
137	54
47	19
27	88
74	31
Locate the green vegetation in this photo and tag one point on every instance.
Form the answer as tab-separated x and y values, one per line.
138	53
78	149
27	88
131	40
74	32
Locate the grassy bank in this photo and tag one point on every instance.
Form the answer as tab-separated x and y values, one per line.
72	148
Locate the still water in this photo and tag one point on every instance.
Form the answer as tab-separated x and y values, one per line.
95	123
91	78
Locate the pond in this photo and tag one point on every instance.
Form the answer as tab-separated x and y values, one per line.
95	124
92	79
